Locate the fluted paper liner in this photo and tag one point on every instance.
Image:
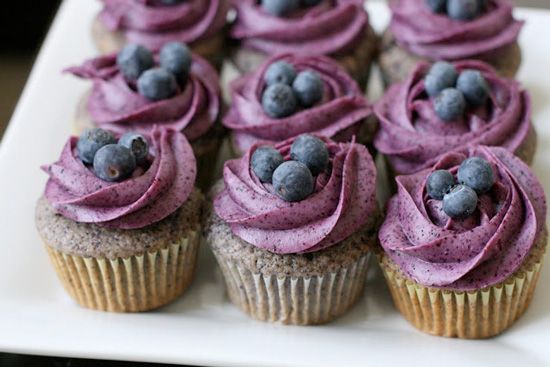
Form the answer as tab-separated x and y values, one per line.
133	284
467	315
295	300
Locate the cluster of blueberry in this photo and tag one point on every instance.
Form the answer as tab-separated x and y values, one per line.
156	83
458	9
286	89
280	8
292	180
111	160
453	92
475	176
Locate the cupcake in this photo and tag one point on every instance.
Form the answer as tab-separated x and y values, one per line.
336	28
153	23
120	221
318	96
136	90
292	226
463	242
450	30
444	107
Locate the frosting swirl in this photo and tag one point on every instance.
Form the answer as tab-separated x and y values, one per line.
331	27
151	24
340	113
342	202
116	104
481	250
77	193
438	37
412	135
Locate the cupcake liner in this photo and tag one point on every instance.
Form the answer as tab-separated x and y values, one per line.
467	315
133	284
294	300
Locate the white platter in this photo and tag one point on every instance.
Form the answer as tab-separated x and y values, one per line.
36	317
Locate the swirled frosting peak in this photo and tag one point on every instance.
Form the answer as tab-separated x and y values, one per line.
340	113
343	202
438	37
479	251
78	194
331	27
412	136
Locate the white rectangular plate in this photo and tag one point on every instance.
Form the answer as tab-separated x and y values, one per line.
36	316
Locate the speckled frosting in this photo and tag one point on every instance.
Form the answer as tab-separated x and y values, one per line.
481	250
115	104
342	203
331	27
438	37
412	136
75	192
151	24
340	113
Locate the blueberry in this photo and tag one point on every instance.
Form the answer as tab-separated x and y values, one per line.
265	160
476	173
439	183
310	2
460	202
442	75
133	60
311	151
114	162
156	84
437	6
450	104
474	87
463	9
308	87
137	143
280	7
176	58
280	72
91	141
171	2
279	100
293	181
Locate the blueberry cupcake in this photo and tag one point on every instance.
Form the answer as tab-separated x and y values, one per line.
463	242
450	30
136	90
336	28
120	218
292	226
290	95
153	23
442	107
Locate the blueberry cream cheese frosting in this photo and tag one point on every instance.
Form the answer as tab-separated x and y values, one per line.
137	89
446	106
336	28
153	23
473	224
450	30
112	204
290	95
302	212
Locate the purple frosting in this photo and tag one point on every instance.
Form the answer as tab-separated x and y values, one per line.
151	24
331	27
115	104
340	113
439	37
412	136
342	203
148	197
479	251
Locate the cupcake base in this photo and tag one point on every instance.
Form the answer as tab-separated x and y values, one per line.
396	63
467	315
